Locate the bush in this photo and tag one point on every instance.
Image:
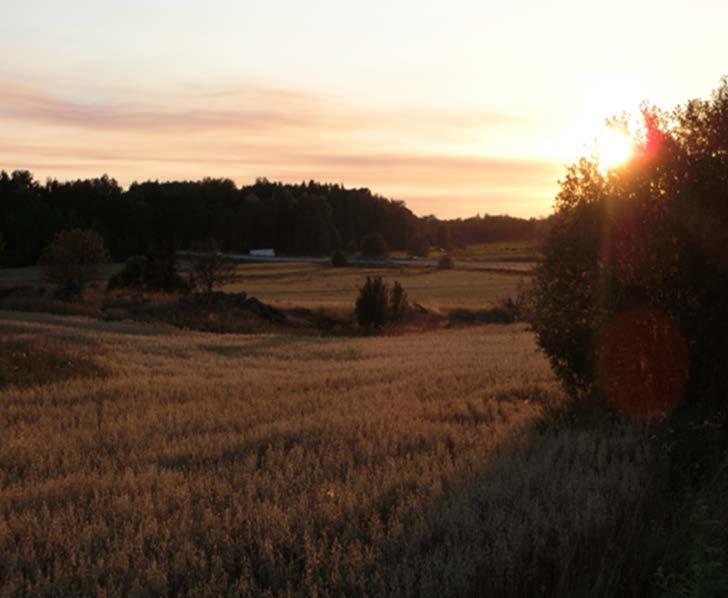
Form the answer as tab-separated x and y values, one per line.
211	269
374	246
630	298
397	301
133	275
444	262
73	258
377	304
372	304
158	272
338	260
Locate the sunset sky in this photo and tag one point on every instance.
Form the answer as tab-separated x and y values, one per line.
456	107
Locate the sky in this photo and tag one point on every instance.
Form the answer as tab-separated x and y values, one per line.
457	107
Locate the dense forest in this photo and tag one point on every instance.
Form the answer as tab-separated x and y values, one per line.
308	218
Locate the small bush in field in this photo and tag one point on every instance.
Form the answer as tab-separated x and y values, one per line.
74	257
211	269
377	304
397	300
338	260
158	272
372	304
444	263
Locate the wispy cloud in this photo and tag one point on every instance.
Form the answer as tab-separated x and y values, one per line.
251	107
248	131
266	111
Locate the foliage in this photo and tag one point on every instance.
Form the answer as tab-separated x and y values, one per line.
643	244
73	257
398	301
444	262
158	271
419	246
377	304
133	275
372	304
443	237
338	260
211	269
374	245
162	270
310	218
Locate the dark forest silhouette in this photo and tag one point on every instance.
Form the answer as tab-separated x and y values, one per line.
307	218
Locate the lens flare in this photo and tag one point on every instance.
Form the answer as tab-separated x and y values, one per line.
643	364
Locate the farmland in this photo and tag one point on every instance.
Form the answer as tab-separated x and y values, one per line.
316	285
426	464
312	284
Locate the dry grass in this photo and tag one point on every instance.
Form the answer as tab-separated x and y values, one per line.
266	465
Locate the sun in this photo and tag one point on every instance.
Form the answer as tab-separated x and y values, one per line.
613	148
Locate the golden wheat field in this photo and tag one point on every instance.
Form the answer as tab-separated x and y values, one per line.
162	461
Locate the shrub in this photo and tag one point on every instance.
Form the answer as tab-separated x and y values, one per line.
374	246
397	301
338	260
372	304
134	273
158	272
161	272
73	258
444	262
630	298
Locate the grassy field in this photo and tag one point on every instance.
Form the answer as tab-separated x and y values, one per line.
316	285
516	251
431	464
512	253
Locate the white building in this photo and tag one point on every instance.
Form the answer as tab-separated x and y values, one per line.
262	253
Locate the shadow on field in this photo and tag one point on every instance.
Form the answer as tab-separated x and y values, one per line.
546	509
83	324
550	504
267	344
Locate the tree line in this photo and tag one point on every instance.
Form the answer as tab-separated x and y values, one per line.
307	218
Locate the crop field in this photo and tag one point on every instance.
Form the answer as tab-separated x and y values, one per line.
317	285
149	458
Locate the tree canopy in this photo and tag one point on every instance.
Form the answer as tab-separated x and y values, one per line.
308	218
630	299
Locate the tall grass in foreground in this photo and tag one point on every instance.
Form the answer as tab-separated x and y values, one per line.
266	465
